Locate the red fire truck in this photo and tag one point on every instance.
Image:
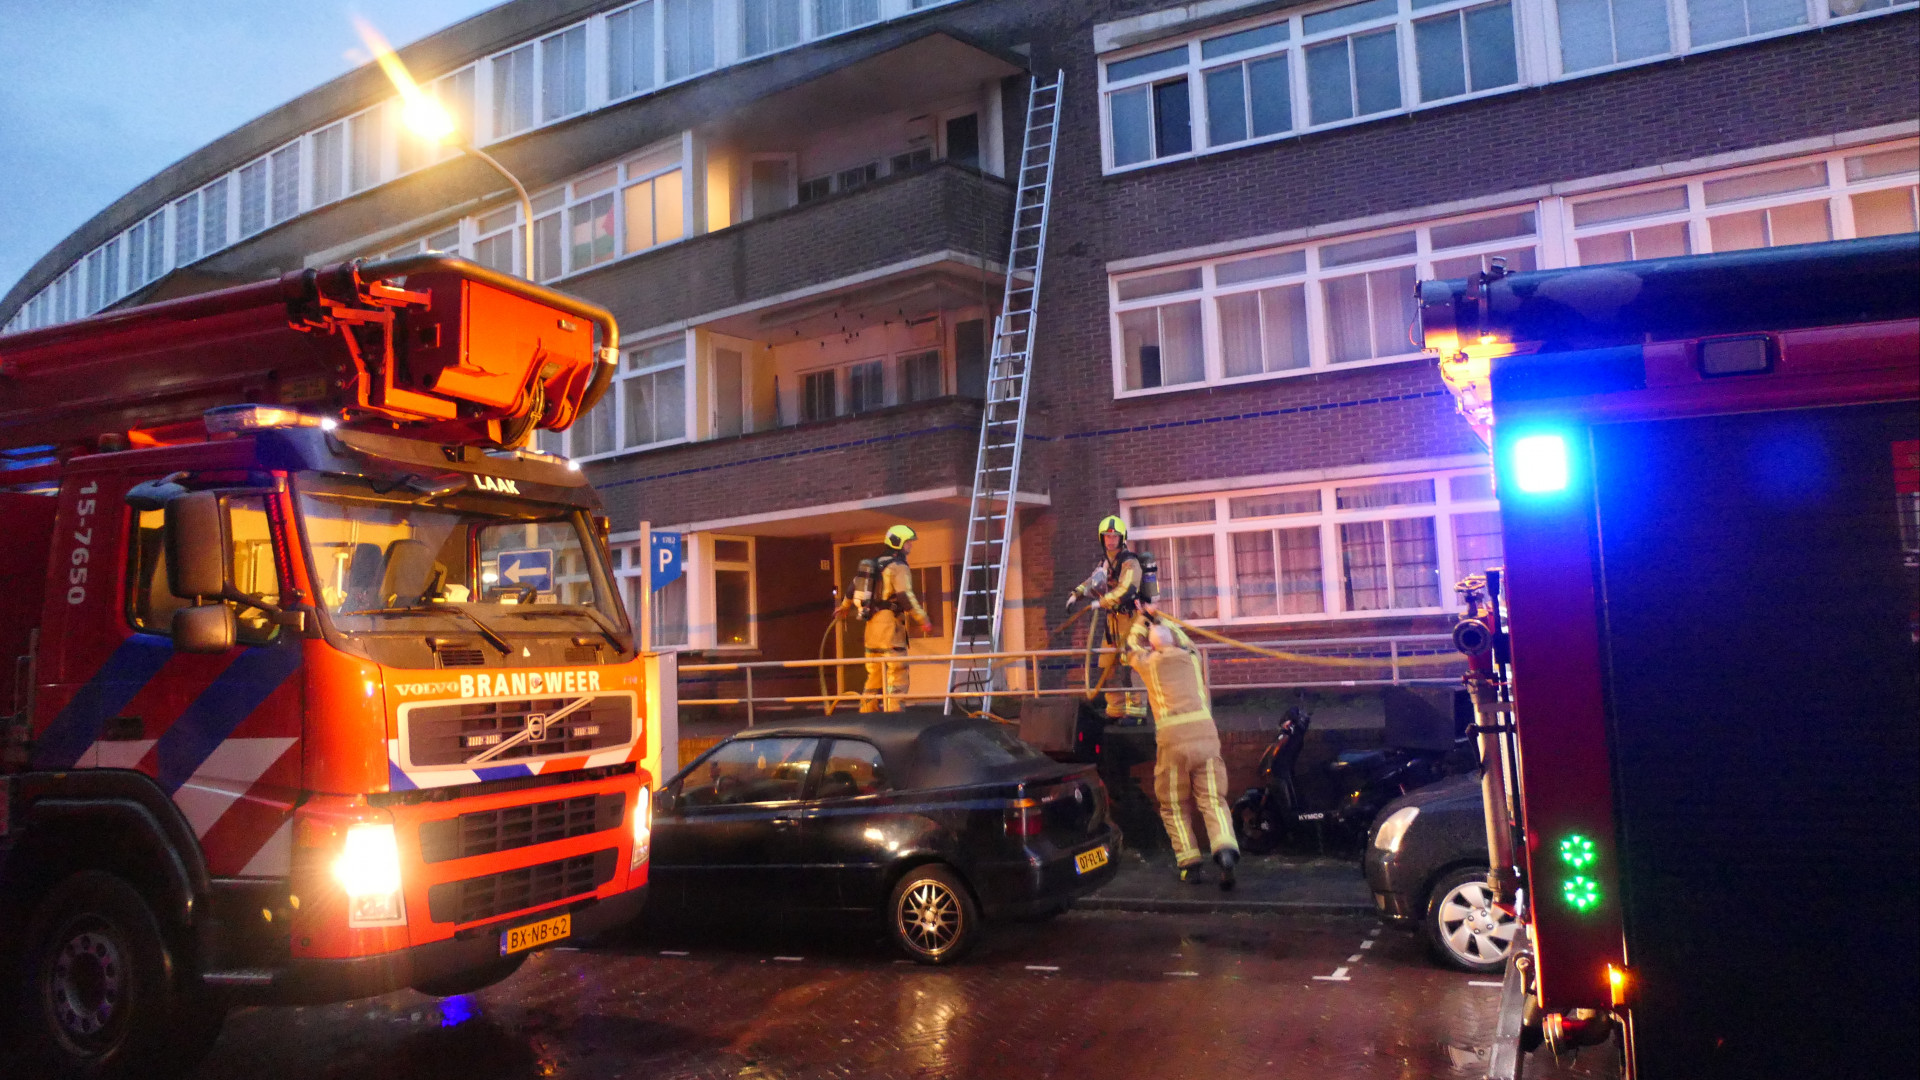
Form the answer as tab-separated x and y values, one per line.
1696	675
319	685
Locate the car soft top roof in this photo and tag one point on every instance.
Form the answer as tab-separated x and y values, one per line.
897	736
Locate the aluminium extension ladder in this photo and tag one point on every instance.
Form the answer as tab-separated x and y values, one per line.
981	607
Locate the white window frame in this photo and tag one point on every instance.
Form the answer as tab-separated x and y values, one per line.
1837	192
562	442
1328	519
1313	277
1537	60
709	602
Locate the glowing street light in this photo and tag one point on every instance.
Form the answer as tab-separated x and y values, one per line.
429	120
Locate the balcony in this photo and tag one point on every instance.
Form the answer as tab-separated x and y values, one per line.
920	451
942	217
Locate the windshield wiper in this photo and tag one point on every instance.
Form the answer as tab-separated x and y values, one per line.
600	622
493	636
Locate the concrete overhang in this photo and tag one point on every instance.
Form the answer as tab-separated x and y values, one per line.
931	68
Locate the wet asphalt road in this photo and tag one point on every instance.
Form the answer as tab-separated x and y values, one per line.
1090	994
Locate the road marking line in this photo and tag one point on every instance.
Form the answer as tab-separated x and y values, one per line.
1483	982
673	952
565	948
1042	967
1186	974
789	959
1339	975
1354	959
1375	932
1368	944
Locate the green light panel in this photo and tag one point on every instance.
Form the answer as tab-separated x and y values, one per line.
1581	891
1577	851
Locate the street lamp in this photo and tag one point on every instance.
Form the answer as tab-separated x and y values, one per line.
430	121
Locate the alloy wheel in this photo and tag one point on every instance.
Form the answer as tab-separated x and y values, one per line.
929	917
1472	928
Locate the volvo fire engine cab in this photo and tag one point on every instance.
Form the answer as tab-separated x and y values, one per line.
1695	678
320	685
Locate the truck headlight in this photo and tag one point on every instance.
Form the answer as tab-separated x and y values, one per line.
642	828
369	870
1394	829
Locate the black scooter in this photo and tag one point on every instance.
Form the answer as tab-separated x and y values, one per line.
1361	781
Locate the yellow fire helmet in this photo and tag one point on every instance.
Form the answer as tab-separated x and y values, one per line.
898	536
1112	524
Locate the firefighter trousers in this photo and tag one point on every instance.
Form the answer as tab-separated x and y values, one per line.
886	680
1116	677
1188	775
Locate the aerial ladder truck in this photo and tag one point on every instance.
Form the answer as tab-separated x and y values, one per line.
318	683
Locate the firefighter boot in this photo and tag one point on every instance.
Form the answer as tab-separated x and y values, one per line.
1192	875
1226	857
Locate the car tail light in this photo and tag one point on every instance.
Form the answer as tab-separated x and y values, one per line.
1024	818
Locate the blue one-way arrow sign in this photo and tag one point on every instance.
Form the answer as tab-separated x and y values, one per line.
531	568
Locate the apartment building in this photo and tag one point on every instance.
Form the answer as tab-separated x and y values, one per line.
799	211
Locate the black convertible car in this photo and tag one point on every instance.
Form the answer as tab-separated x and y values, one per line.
935	822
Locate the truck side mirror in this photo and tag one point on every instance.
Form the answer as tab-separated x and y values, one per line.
204	628
196	546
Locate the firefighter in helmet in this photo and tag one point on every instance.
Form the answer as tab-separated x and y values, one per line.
885	602
1116	584
1188	773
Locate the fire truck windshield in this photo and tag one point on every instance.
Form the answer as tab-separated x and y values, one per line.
385	555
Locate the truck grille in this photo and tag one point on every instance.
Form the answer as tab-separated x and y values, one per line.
485	832
454	734
484	897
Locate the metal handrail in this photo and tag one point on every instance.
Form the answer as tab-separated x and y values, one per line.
1395	658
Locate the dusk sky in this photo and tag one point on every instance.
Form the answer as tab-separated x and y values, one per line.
98	95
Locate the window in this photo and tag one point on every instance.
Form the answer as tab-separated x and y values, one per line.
654	393
253	198
1323	550
688	33
1278	75
733	608
1465	51
768	25
817	396
1599	33
213	216
630	48
866	386
513	92
364	145
151	603
454	92
1869	192
1298	309
655	202
563	74
146	251
286	182
98	292
590	231
833	16
497	247
329	164
748	771
1711	21
1352	74
921	376
854	768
